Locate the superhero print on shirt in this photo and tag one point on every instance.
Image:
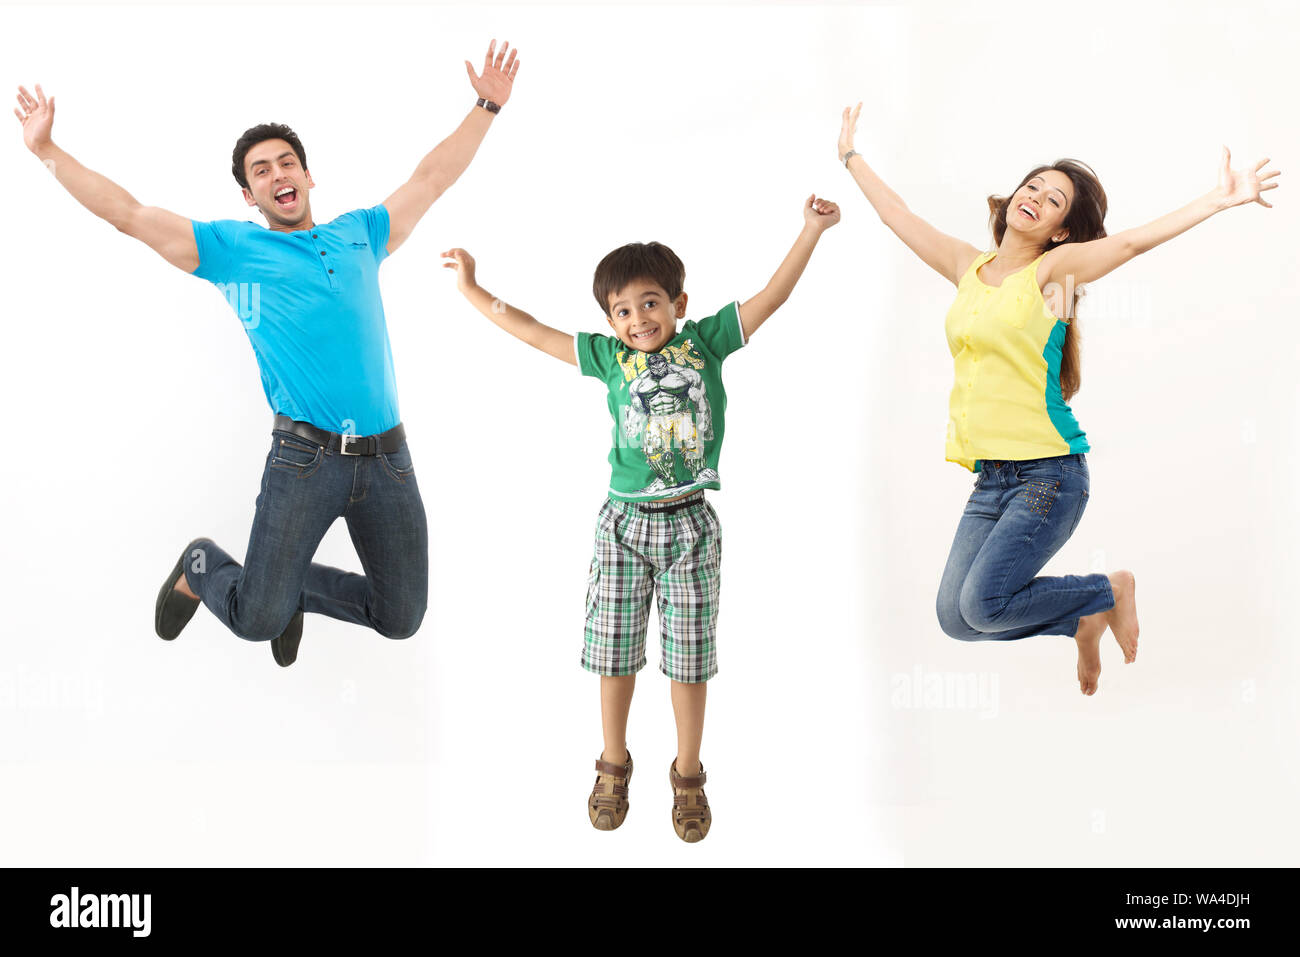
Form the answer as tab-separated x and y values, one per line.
668	410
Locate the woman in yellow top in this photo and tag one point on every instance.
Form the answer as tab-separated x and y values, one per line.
1016	359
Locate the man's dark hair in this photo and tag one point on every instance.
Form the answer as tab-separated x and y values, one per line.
260	134
627	264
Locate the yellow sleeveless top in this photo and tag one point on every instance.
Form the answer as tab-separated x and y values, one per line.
1006	401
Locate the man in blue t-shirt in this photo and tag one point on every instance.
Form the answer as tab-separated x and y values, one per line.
308	297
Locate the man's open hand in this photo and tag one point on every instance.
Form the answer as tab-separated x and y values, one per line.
498	74
37	117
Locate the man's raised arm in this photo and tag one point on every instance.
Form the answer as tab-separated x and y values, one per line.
169	235
444	164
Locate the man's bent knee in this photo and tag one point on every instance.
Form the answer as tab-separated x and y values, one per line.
402	628
261	626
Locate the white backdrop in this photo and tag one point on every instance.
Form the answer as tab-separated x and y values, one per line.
138	422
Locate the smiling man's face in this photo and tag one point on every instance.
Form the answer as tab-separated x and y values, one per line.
278	185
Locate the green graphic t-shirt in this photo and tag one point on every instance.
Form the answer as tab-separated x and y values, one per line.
668	406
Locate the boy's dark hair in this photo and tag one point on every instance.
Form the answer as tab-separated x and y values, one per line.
260	134
625	265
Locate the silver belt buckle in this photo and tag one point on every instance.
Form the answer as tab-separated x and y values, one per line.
343	443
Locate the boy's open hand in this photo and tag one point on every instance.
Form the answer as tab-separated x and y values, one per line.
498	74
463	263
848	123
37	117
821	214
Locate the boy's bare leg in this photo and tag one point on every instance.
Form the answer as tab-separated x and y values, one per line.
688	709
615	703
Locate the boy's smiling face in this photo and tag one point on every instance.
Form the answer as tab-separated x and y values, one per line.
643	316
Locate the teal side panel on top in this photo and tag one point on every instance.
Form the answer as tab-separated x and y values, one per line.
1062	418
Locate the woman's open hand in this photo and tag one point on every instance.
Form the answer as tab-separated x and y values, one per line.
848	123
1240	186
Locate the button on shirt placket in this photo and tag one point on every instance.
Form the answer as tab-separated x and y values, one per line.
325	262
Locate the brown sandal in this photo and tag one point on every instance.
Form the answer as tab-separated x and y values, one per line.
691	814
608	803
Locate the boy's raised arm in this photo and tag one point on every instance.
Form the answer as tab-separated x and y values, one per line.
819	215
443	165
514	321
166	233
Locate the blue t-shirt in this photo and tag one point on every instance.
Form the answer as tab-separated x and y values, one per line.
309	301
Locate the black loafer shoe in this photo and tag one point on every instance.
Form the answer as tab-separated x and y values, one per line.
173	610
284	649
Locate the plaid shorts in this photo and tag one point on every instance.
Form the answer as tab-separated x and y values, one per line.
677	546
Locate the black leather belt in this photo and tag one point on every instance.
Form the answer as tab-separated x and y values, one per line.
389	441
677	506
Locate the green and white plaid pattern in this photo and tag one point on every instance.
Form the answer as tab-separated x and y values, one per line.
638	545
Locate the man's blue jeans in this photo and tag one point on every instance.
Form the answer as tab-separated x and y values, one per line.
304	489
1019	516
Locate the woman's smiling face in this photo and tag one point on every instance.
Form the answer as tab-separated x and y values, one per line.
1038	208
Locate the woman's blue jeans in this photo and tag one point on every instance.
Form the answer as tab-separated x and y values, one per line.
304	489
1018	517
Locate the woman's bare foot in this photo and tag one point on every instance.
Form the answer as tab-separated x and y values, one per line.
1123	618
1088	638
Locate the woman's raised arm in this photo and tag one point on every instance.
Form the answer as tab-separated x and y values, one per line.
946	255
1083	262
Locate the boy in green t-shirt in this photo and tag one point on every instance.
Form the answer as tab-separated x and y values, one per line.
667	402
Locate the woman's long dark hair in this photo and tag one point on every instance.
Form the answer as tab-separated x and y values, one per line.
1084	220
